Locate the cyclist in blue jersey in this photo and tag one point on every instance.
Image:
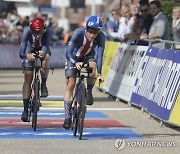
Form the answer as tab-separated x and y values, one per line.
36	37
81	48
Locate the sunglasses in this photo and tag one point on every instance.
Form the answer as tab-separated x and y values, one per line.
38	32
94	31
145	10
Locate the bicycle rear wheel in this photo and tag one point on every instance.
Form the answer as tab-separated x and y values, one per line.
82	110
35	104
30	108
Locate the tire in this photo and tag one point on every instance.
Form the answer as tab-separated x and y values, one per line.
75	112
35	104
75	122
29	109
82	110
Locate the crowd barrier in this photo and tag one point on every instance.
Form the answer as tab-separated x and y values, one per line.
145	76
110	49
9	56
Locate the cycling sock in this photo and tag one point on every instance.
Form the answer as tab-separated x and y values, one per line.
44	80
25	102
67	108
90	87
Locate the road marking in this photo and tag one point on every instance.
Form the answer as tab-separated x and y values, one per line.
19	97
59	109
16	103
58	123
88	133
50	114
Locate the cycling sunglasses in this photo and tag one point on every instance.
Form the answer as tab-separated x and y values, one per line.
38	32
94	31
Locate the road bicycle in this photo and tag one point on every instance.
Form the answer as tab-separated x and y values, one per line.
34	102
79	100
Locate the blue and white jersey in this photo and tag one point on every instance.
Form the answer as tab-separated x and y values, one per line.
79	46
29	40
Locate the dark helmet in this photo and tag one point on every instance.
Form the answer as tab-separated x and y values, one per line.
94	22
38	25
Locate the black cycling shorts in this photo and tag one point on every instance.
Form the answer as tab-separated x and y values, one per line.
28	65
70	68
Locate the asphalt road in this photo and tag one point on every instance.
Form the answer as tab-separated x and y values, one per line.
123	129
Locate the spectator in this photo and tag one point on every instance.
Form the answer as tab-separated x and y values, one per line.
176	23
146	16
81	23
67	37
137	26
160	26
116	13
107	24
125	25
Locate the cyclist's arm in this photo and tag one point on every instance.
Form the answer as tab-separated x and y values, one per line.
100	52
46	41
72	46
23	45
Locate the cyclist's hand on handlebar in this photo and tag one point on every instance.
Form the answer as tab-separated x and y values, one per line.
30	56
100	79
79	65
41	54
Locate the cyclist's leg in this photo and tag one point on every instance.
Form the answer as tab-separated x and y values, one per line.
91	81
44	75
26	90
70	73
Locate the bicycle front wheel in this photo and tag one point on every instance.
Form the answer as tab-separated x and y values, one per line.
75	120
35	104
82	110
30	106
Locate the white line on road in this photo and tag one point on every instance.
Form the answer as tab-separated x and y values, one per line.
19	97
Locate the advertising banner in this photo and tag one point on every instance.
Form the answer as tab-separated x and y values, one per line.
142	79
175	114
9	56
110	50
133	60
113	79
58	58
158	82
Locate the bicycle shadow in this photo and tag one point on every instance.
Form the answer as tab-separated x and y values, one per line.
103	99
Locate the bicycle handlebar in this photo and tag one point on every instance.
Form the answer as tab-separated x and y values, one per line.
88	69
41	60
37	56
